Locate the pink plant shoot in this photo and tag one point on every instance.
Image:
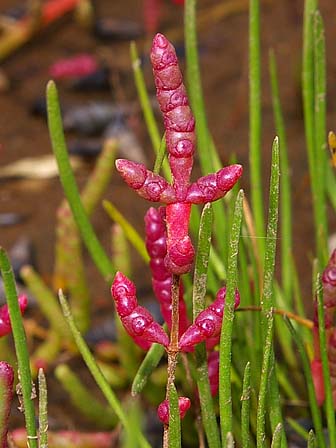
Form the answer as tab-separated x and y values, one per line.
163	409
6	396
156	244
137	321
213	372
179	125
329	302
208	324
5	324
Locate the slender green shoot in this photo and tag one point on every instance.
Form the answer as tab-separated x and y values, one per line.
277	434
285	200
264	383
320	88
199	291
225	399
67	178
245	410
255	121
311	440
43	410
174	434
20	348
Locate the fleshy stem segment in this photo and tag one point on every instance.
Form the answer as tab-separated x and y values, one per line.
179	126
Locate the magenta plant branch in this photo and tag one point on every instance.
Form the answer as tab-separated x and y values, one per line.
179	126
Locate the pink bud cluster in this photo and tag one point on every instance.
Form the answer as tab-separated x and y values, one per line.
179	125
137	321
163	409
156	244
5	324
329	300
208	324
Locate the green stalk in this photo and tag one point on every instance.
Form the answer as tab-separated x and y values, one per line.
267	300
285	200
264	383
146	107
97	374
321	161
314	408
313	85
225	398
311	440
277	435
329	405
255	121
43	410
90	239
20	347
83	399
199	291
174	434
245	410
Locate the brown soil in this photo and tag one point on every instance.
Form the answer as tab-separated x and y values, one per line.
224	71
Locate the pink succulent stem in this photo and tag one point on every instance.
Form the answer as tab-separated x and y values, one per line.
179	124
137	321
213	372
329	301
208	324
5	324
6	396
156	243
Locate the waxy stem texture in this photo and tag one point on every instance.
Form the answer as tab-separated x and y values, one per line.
208	324
137	321
156	244
179	126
